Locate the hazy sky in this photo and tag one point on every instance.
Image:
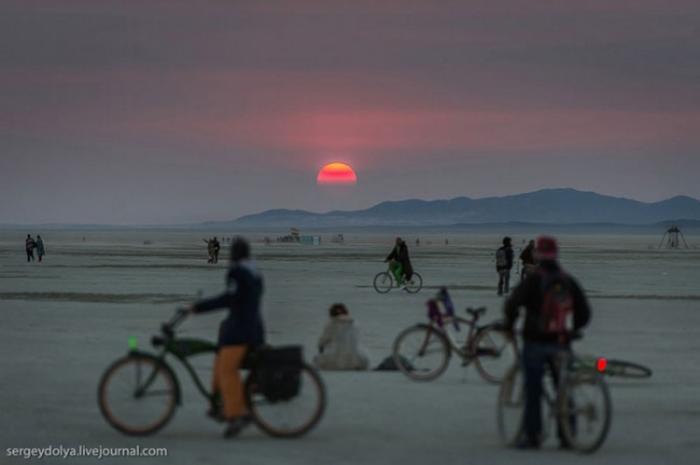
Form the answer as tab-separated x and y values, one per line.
176	111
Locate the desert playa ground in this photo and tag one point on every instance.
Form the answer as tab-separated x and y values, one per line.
66	319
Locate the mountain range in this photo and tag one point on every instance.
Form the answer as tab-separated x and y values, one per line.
547	206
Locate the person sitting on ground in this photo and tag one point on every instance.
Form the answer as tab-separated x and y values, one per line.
339	347
553	300
527	257
504	263
400	263
240	332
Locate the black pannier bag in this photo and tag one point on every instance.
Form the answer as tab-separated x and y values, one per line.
279	372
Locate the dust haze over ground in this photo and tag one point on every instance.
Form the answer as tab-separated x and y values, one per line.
66	319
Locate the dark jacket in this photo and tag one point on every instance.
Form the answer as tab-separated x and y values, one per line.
509	257
530	294
527	256
400	254
244	325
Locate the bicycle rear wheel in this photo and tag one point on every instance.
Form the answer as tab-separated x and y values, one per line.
414	284
421	352
292	417
383	282
585	411
494	354
137	395
626	369
511	406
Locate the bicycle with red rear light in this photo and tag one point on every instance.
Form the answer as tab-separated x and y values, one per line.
579	403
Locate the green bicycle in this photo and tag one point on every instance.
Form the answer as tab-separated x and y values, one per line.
138	393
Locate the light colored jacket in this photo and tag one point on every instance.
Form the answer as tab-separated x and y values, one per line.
340	346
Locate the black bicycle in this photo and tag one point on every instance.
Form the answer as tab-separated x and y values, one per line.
139	392
579	404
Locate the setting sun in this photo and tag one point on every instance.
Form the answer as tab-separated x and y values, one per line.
337	173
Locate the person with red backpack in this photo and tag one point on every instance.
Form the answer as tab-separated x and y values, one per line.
556	307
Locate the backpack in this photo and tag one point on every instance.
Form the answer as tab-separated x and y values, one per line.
557	305
501	258
278	373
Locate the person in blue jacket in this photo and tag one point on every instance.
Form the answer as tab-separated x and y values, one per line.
241	331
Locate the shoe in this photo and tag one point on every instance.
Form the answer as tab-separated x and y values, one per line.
525	443
216	414
237	425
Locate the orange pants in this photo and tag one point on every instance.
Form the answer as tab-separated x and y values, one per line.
227	379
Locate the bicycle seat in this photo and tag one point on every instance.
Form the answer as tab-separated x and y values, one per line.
476	312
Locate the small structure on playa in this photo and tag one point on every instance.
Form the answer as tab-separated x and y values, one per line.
672	238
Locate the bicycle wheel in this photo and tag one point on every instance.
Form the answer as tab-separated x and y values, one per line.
421	352
383	282
494	354
585	411
414	284
511	406
626	369
137	395
293	417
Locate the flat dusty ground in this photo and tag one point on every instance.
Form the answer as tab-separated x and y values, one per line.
66	319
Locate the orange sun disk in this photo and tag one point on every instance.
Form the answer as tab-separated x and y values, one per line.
337	173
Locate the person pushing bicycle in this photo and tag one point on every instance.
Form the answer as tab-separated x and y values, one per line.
241	331
556	307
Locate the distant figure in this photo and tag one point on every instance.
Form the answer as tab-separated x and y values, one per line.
40	249
216	247
339	347
447	242
399	262
527	257
504	263
555	308
29	246
210	250
417	241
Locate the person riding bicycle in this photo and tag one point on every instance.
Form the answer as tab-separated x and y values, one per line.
241	331
399	262
551	298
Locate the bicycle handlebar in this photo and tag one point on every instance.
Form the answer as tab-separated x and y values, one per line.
169	327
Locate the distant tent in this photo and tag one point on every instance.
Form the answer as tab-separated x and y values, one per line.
672	238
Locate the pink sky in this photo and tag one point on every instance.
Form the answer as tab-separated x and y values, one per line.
153	109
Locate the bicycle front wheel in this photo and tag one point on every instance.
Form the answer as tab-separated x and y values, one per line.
585	411
137	395
291	417
421	352
494	354
626	369
383	282
414	284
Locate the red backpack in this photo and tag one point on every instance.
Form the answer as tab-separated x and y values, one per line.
557	305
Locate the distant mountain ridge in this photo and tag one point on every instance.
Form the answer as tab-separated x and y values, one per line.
547	206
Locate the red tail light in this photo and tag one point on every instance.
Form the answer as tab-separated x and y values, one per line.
601	364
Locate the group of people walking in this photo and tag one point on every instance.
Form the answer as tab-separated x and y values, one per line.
213	249
31	245
505	261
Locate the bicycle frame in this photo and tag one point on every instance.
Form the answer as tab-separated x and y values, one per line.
440	321
181	349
